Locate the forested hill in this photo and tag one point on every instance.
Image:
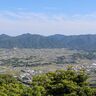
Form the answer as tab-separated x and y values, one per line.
83	42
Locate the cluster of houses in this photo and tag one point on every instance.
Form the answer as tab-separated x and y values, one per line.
27	74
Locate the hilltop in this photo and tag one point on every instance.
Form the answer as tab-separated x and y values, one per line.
80	42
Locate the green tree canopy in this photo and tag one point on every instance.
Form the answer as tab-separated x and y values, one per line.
62	83
59	83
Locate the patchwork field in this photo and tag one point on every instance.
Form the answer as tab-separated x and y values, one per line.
19	62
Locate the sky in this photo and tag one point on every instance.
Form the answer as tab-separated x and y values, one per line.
47	17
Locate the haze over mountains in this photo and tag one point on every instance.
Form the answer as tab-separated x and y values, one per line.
82	42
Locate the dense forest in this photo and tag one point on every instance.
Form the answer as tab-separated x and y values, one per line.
58	83
81	42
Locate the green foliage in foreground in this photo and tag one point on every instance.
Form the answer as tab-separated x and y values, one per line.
59	83
9	86
62	83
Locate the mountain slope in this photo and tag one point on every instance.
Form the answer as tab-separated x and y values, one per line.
82	42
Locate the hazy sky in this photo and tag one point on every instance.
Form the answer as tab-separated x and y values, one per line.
47	17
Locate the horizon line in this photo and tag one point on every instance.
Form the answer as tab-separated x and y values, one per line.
46	35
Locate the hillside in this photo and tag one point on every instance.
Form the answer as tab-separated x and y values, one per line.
82	42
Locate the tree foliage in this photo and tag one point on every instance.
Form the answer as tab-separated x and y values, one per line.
63	83
9	86
59	83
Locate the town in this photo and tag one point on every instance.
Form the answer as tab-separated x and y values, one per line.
26	63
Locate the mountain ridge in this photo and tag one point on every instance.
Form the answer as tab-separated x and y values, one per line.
80	42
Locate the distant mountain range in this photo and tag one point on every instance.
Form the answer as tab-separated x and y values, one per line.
82	42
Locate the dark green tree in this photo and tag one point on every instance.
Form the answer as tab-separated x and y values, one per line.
62	83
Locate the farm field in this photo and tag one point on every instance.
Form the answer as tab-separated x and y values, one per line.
18	62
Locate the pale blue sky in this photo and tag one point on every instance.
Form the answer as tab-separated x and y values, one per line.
47	17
